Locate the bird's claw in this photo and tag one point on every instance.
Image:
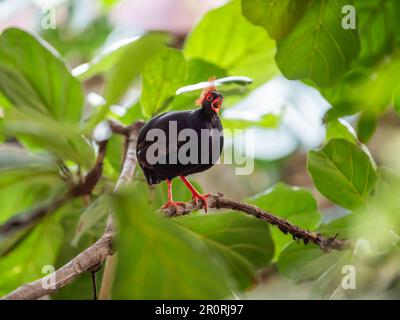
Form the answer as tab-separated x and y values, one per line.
174	204
203	198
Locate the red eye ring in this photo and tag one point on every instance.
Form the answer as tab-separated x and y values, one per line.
209	96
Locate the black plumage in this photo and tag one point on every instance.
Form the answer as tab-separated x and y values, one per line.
173	165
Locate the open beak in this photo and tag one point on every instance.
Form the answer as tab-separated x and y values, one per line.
216	105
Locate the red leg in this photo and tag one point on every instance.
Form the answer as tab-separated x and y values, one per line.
171	202
195	194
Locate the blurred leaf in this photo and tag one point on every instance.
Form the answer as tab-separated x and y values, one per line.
340	129
128	64
114	152
81	288
117	55
226	39
295	204
304	263
25	263
319	48
342	173
366	126
388	181
376	22
243	242
79	36
12	158
365	89
159	259
33	76
38	133
277	17
162	76
396	99
91	216
267	121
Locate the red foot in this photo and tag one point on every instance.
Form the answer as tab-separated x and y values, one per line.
203	198
174	204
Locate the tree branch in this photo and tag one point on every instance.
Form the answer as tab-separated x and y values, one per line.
92	256
218	201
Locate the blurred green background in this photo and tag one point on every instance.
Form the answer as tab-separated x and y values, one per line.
333	88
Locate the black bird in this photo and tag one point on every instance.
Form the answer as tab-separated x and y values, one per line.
171	152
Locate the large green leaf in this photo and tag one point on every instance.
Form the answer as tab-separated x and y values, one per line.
365	89
243	242
12	158
295	204
377	27
128	64
33	76
160	260
277	17
342	172
118	54
319	48
26	262
162	76
225	38
38	132
305	263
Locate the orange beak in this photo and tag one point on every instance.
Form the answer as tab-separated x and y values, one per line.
216	105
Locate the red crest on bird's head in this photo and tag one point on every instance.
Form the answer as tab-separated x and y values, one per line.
209	88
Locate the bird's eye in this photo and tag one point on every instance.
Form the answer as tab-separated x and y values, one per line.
209	97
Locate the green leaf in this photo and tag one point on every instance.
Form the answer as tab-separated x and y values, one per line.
377	25
33	76
243	242
38	132
319	48
128	65
366	126
295	204
117	55
91	216
12	158
388	182
365	89
25	263
162	76
340	129
160	260
226	39
277	17
267	121
342	173
396	99
304	263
